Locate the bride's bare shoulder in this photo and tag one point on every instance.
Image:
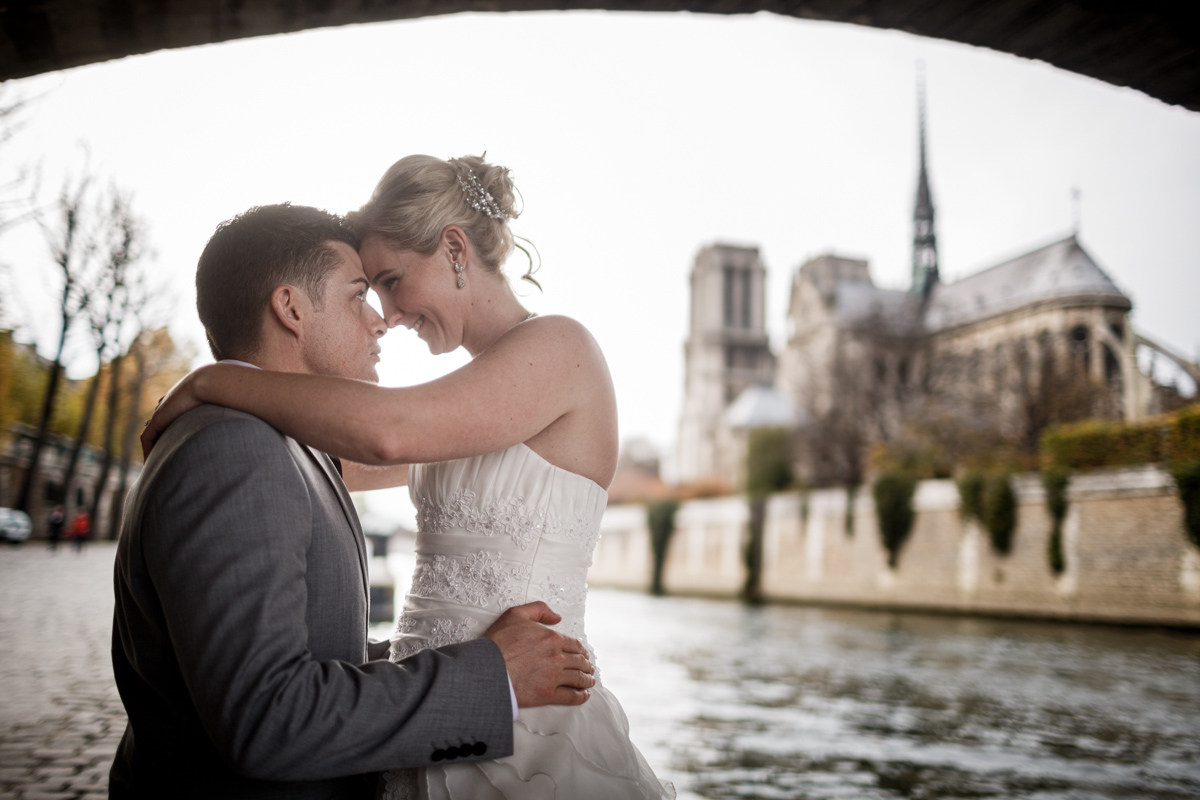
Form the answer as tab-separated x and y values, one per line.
556	322
560	330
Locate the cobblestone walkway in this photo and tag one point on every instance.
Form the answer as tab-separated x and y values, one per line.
60	715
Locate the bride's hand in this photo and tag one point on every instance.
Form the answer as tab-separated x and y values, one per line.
175	403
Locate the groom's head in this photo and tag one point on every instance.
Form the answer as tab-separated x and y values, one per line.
282	286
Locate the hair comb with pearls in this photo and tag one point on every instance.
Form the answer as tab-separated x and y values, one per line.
479	198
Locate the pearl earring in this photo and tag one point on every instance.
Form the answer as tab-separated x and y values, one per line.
458	271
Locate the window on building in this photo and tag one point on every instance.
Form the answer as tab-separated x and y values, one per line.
1112	366
746	298
727	296
1081	345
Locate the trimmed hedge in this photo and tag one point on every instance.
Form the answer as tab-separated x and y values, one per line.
1183	437
1173	438
1055	480
660	519
990	499
970	492
893	494
1000	512
1097	443
848	517
1187	478
768	461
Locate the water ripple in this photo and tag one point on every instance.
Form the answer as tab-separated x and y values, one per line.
787	702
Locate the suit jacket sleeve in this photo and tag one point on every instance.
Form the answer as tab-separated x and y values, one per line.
226	530
378	651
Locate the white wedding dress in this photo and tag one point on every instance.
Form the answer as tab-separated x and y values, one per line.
496	531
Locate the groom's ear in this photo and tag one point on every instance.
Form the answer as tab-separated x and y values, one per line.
288	307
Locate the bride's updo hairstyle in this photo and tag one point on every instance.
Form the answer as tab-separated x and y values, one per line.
420	195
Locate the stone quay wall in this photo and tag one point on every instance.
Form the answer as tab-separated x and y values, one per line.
1128	559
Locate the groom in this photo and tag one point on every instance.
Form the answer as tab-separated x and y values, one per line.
240	632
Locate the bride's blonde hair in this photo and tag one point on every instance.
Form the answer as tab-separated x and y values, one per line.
420	195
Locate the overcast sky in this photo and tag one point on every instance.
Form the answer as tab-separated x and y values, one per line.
635	139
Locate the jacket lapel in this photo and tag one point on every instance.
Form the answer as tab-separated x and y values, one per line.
343	496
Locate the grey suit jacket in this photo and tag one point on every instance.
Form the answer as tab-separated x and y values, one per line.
240	633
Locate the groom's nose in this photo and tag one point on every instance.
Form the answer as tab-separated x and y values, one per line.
376	323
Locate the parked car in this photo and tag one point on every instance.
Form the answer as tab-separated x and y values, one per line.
15	526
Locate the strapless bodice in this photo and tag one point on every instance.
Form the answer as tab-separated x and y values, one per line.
495	531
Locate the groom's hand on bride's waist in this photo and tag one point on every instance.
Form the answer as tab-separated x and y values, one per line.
545	667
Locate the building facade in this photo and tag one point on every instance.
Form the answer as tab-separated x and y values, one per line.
1041	338
727	352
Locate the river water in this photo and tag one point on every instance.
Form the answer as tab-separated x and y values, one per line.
790	702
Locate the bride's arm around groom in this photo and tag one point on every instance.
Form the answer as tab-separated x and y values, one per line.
239	638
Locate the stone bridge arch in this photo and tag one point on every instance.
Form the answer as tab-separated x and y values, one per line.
1150	45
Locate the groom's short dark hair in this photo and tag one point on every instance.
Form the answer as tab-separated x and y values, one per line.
251	254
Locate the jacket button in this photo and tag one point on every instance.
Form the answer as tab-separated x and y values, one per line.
451	753
479	749
438	755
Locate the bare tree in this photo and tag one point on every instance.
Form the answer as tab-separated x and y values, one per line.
1052	387
73	246
115	299
16	202
153	353
158	364
876	381
126	247
987	406
928	405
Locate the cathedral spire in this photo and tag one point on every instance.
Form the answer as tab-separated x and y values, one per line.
924	260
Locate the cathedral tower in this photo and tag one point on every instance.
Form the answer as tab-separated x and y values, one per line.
924	258
727	351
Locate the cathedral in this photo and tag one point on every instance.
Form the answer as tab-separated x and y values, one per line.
1041	338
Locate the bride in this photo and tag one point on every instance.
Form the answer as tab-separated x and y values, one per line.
510	458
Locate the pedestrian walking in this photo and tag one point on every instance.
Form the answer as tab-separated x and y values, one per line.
81	528
55	527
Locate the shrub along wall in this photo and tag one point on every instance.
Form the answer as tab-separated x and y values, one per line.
1097	443
1173	439
893	495
1055	481
1127	558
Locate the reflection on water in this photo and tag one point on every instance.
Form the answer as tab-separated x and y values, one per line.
787	702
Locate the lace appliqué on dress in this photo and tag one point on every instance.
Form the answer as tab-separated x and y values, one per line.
510	517
564	591
443	632
578	530
476	580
